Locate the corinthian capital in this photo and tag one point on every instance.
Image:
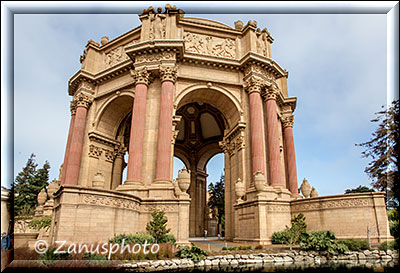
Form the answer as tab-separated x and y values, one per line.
142	76
72	107
82	100
168	73
287	121
253	84
272	92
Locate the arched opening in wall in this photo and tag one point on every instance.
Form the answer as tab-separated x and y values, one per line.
200	131
215	198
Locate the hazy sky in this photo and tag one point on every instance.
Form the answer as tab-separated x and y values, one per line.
337	71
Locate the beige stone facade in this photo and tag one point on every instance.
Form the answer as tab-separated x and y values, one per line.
191	88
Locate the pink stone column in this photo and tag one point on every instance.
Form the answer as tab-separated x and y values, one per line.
67	149
256	130
291	168
163	167
274	155
74	157
136	141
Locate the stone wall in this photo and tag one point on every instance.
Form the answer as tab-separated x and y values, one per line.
347	215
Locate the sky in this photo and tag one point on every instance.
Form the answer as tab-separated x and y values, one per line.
337	71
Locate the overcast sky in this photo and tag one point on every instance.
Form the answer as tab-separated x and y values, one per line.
337	71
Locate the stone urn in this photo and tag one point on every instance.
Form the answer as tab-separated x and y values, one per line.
52	188
314	192
104	40
98	181
183	180
239	189
42	197
259	181
305	188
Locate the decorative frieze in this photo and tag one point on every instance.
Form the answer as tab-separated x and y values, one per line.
142	76
204	44
109	202
164	208
168	73
86	87
82	100
262	72
155	57
332	204
278	208
95	151
117	55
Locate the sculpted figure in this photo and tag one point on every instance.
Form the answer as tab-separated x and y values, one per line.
157	24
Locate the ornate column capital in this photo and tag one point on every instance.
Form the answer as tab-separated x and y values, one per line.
82	100
72	107
253	84
287	121
271	92
120	151
168	73
142	76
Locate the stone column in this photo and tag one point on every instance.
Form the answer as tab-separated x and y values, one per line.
118	168
256	126
82	103
274	156
67	149
291	169
134	174
163	167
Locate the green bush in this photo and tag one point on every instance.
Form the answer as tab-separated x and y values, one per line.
355	244
388	245
280	237
233	248
321	241
168	238
291	235
195	253
41	223
49	257
94	257
224	248
137	238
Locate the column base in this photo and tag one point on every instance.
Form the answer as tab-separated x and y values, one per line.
162	182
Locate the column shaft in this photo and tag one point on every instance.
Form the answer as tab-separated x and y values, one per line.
74	157
274	155
67	149
291	169
117	172
257	136
163	169
137	134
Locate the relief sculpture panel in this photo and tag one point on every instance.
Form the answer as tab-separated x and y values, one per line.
204	44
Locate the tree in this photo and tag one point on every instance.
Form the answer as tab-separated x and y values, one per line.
217	198
360	189
27	185
383	168
157	227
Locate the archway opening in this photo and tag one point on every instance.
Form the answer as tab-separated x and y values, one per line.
200	130
215	199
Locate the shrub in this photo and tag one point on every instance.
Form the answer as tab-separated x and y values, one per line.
355	244
259	247
137	238
157	227
224	248
41	223
168	238
321	240
49	257
280	237
195	253
233	248
388	245
93	257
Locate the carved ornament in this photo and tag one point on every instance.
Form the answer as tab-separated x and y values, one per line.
205	44
110	202
95	151
287	121
168	73
142	76
82	100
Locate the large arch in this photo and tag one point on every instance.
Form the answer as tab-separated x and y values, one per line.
221	110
